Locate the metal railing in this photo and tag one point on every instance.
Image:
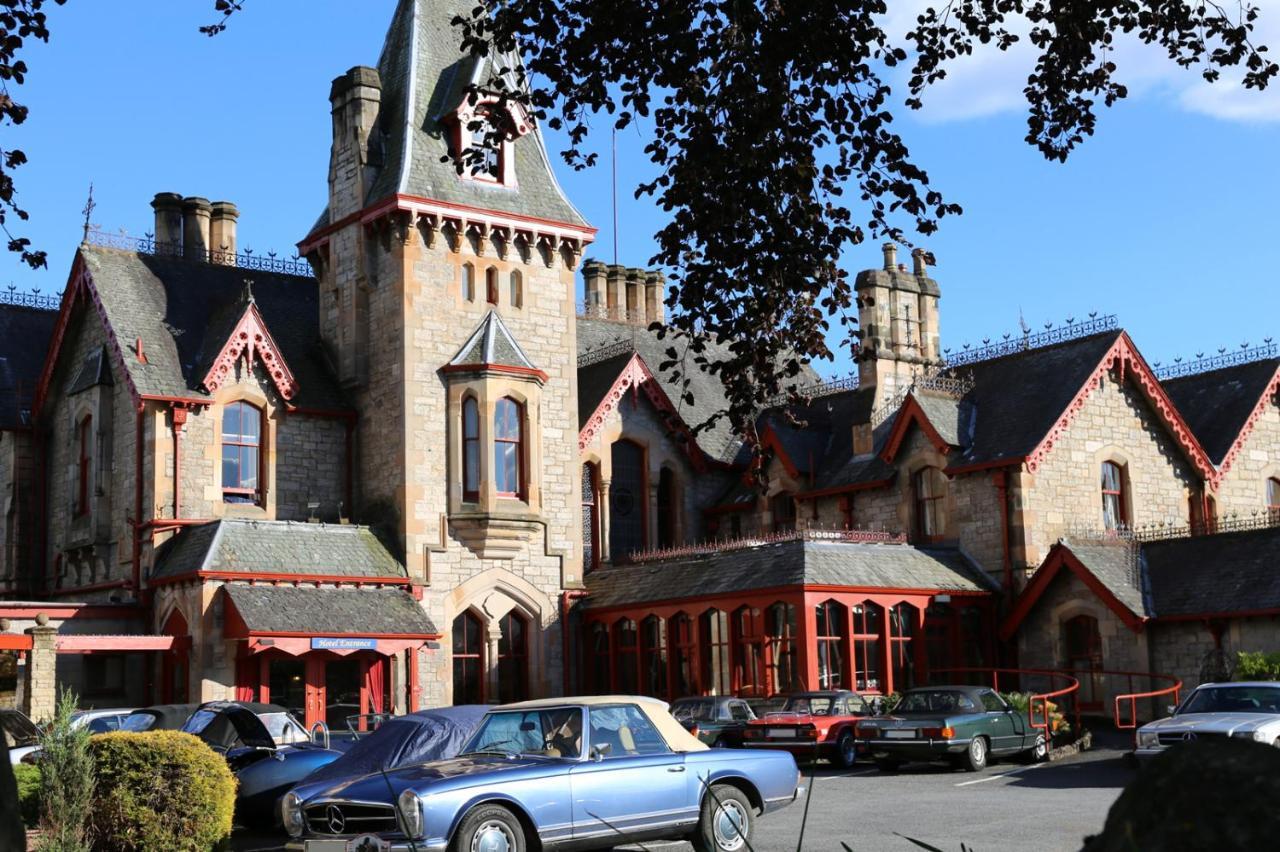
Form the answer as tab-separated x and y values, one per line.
1037	702
35	299
746	542
1132	697
246	259
1073	330
1246	355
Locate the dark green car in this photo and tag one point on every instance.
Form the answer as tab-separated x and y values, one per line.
963	725
717	720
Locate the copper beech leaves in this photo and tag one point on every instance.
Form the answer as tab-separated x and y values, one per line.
770	128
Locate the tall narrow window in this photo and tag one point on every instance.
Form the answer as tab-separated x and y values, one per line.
781	644
468	282
627	501
668	506
468	660
508	449
491	152
84	438
653	634
513	658
241	440
516	282
626	650
831	643
590	518
902	630
601	660
491	285
715	652
783	509
868	624
1273	495
929	485
1114	516
682	648
470	450
748	652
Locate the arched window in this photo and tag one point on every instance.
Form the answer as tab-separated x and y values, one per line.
626	670
781	644
84	440
653	636
715	652
601	661
468	660
241	463
929	486
516	283
831	626
1114	515
513	658
668	505
491	285
902	632
868	625
627	501
468	282
748	652
682	649
590	518
470	450
508	447
1273	495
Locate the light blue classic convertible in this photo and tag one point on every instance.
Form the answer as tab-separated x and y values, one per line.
574	773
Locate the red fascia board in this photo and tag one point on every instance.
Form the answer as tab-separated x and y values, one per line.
68	611
734	600
1060	556
909	413
770	440
524	372
290	634
69	296
281	579
176	400
1268	393
75	643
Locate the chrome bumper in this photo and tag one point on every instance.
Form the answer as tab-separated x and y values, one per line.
914	746
340	845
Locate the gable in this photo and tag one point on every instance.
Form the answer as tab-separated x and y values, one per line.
1106	568
1221	405
251	341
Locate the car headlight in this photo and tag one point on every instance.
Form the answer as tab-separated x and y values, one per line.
411	813
1148	739
1261	736
291	814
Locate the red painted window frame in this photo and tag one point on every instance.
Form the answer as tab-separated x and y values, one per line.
682	638
747	634
928	505
620	651
1273	494
902	647
467	654
601	658
866	647
84	434
835	615
655	657
1117	494
518	441
717	681
783	512
781	634
470	450
259	493
515	658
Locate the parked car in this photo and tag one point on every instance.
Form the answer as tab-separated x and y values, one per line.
20	735
1246	710
812	726
717	720
590	773
963	725
264	769
158	717
405	740
100	721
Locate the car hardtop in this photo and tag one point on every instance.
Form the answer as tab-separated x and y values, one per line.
718	704
655	710
233	723
165	717
1180	710
831	696
972	693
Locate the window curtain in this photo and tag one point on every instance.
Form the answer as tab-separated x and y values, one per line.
247	673
375	680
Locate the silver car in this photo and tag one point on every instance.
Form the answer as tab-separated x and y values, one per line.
1246	710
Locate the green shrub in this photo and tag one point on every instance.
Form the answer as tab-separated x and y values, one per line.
1257	665
66	781
160	790
28	778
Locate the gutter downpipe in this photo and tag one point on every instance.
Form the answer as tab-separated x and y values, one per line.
137	502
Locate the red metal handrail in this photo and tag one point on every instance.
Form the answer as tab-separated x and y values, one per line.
1041	697
1132	697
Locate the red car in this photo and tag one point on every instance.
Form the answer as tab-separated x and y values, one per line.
812	725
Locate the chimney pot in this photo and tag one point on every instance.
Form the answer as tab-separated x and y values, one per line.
195	228
920	258
890	256
902	267
222	232
168	227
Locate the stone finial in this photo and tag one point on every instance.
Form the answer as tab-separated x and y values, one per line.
42	619
890	256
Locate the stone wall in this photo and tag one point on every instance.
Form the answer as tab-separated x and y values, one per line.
1243	489
1180	648
1115	424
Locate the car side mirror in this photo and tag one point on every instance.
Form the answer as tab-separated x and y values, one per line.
598	752
1170	709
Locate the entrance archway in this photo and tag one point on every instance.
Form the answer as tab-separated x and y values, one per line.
175	664
1083	644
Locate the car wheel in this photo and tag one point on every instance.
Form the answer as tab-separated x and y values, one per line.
887	765
846	751
489	828
1038	752
726	822
975	757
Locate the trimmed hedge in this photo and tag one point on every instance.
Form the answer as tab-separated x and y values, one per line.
160	790
28	778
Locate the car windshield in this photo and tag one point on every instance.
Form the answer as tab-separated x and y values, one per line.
550	732
935	701
694	711
282	728
18	730
231	727
1233	699
811	705
138	722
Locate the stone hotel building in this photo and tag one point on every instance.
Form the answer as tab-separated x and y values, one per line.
434	460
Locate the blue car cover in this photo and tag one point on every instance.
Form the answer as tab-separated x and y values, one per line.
404	740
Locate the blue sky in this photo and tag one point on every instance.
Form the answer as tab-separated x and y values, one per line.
1168	217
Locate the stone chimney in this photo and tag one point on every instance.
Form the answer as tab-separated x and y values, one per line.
196	212
655	293
222	232
168	228
593	278
898	321
890	256
355	98
616	291
863	439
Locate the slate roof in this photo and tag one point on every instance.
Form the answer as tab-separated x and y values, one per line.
184	311
719	441
1115	564
790	563
286	609
594	381
24	339
424	74
1217	404
1222	573
952	418
277	547
492	343
94	371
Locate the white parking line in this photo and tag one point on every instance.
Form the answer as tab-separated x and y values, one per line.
1002	775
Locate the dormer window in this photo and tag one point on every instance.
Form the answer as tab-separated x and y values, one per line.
484	136
241	441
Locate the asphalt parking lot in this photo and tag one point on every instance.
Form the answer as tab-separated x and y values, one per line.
1047	807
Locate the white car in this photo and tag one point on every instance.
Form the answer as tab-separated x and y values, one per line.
1247	710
